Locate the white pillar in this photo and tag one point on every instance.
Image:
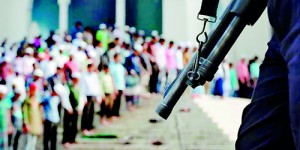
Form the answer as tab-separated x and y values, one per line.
120	13
180	20
15	19
63	15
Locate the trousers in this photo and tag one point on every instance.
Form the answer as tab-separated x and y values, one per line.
70	127
88	114
50	135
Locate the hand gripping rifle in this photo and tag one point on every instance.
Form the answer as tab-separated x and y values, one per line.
204	63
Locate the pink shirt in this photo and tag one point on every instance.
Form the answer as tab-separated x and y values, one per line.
5	71
71	66
243	72
171	58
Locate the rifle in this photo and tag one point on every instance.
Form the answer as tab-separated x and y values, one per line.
204	63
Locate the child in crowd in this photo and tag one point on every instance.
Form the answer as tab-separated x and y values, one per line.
106	112
33	122
4	118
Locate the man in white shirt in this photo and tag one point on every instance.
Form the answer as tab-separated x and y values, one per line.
179	59
90	84
49	67
28	61
160	57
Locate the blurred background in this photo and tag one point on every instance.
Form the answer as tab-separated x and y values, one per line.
96	70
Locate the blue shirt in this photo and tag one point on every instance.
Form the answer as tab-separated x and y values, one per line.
117	70
51	109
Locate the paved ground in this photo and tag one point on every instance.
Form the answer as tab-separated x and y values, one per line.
202	128
225	113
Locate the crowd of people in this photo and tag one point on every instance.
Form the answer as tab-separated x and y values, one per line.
236	81
68	78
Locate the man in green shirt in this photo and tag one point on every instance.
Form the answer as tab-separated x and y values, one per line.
233	80
102	36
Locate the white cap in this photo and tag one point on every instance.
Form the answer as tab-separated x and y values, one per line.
69	37
132	30
127	28
3	89
102	26
148	39
79	35
141	32
116	26
154	33
18	90
38	73
29	50
138	47
83	45
57	38
62	47
42	55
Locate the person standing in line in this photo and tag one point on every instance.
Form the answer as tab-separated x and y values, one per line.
133	65
154	67
102	36
73	106
28	61
186	56
218	89
226	79
161	61
99	52
107	107
76	29
171	63
52	117
70	67
16	116
179	59
118	73
146	72
33	121
234	81
254	70
244	78
4	118
90	85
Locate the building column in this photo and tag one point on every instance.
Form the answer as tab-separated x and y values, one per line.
120	13
63	15
180	20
